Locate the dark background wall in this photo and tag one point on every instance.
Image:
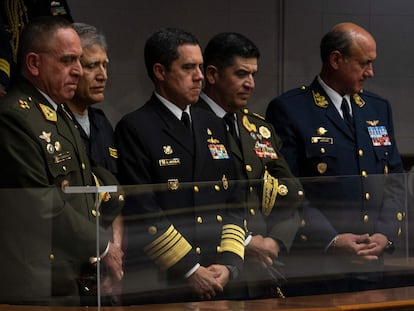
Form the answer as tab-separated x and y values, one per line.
287	33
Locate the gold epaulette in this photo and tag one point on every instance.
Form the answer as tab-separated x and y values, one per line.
232	240
168	248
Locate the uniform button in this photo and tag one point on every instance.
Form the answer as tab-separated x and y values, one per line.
367	196
360	152
366	218
219	218
245	111
252	212
245	223
196	189
282	190
300	193
303	238
198	250
399	231
364	174
249	168
217	187
323	150
251	189
152	230
400	216
94	213
83	166
64	168
218	249
52	257
302	223
199	220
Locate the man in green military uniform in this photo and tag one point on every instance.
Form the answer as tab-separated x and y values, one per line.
47	234
272	194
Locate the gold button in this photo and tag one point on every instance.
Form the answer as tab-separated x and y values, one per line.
199	220
302	223
218	249
360	152
152	230
245	111
219	218
399	231
303	238
51	257
366	218
282	190
198	250
245	223
249	168
367	196
251	189
64	168
364	174
323	150
217	187
196	189
300	193
94	213
252	212
400	216
83	166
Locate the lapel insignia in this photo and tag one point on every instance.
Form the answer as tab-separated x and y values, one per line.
113	153
45	136
209	132
250	127
265	132
58	146
321	167
23	104
373	122
48	113
320	100
167	149
321	131
225	182
359	101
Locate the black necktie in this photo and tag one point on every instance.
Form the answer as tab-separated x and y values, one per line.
185	118
230	120
347	116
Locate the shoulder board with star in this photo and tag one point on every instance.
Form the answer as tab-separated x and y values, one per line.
48	113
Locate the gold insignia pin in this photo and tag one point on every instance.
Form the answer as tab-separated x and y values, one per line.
372	122
113	152
321	131
225	182
173	184
23	104
320	100
321	167
359	101
265	132
167	149
45	136
250	127
209	132
58	146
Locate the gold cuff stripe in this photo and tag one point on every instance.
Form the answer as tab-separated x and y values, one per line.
5	66
232	240
168	248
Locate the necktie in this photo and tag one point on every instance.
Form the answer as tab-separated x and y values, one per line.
231	123
185	118
347	116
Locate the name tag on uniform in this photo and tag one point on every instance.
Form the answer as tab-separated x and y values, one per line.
379	136
169	162
218	151
321	140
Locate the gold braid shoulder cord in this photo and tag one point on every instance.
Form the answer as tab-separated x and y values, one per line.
17	17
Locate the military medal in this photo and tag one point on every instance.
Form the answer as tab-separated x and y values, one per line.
218	151
265	150
167	149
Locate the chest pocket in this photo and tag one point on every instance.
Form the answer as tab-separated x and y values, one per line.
62	164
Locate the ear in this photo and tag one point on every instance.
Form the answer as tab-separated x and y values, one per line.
159	71
211	74
32	63
335	58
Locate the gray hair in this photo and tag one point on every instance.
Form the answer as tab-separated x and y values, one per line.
90	35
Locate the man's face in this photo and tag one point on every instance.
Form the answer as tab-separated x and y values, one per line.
92	84
59	68
183	81
234	84
358	67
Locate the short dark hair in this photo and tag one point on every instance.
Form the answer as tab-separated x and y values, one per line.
162	47
335	39
221	50
36	35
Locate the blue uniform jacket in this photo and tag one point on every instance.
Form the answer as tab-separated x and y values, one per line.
352	183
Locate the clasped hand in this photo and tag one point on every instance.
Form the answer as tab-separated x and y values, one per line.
207	282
